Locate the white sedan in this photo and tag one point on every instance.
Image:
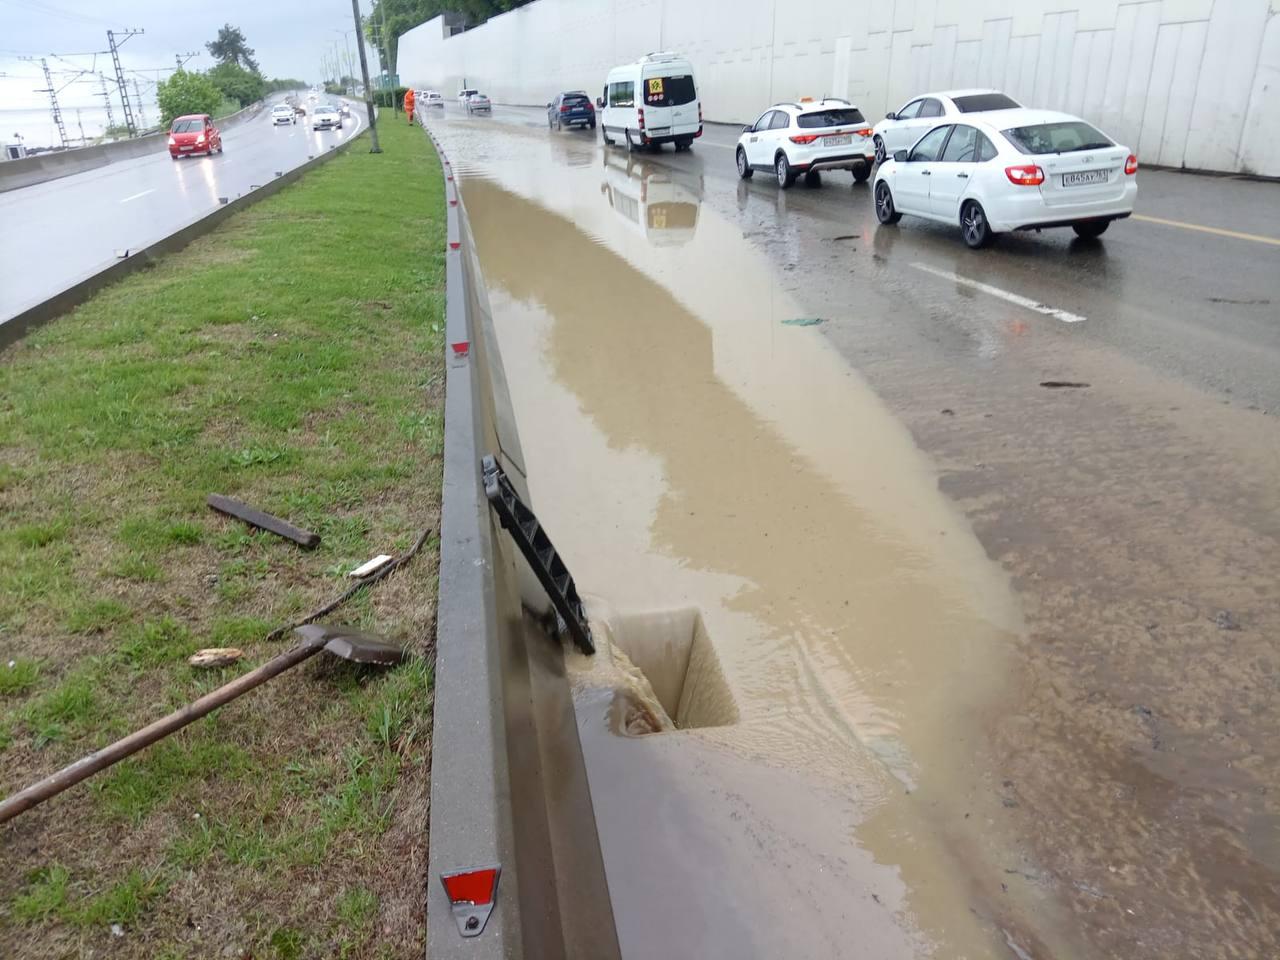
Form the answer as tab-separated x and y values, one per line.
282	113
1017	170
325	116
903	127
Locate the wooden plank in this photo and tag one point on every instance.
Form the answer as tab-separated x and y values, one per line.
264	521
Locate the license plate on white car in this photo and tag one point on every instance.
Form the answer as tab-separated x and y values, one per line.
1086	176
841	141
659	131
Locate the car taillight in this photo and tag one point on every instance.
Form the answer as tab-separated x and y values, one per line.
1131	165
1027	175
564	108
804	138
864	132
641	113
699	113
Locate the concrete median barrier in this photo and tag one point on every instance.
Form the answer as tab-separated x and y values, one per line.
42	167
508	781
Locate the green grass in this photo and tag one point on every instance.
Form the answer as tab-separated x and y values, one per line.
47	896
292	358
18	676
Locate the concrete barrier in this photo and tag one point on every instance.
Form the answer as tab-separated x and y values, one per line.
508	780
19	325
42	167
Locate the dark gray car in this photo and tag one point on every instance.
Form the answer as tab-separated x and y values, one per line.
571	109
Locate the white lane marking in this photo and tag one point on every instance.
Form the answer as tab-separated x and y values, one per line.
137	195
1020	300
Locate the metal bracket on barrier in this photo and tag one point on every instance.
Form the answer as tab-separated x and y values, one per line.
518	520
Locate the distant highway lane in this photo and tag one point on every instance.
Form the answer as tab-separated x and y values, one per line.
57	232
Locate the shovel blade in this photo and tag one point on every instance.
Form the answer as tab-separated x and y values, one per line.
358	646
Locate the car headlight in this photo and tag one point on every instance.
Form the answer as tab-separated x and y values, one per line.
172	142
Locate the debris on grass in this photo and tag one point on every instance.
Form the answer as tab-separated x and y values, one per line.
215	657
377	563
263	521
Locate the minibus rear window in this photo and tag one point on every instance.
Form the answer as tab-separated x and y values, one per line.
669	91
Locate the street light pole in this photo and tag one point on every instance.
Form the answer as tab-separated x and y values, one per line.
364	73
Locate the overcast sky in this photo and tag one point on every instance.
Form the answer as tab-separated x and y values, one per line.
289	37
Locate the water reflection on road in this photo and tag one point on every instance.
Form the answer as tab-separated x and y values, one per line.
686	448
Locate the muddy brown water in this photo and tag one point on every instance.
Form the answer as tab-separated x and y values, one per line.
693	455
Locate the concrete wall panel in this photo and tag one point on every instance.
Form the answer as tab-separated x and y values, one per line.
1187	82
1261	138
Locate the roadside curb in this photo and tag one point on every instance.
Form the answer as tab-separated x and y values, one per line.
22	323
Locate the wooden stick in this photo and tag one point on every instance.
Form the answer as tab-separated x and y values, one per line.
368	581
263	521
87	766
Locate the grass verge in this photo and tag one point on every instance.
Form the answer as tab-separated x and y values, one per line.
294	359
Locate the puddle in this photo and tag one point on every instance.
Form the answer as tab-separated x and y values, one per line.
687	450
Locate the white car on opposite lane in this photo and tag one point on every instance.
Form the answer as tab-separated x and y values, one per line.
903	127
478	103
325	116
1016	170
282	113
790	139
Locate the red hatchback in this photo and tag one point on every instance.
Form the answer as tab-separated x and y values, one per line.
194	134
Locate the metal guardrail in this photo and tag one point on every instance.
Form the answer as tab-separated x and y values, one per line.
508	782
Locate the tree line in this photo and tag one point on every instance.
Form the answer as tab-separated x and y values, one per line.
235	78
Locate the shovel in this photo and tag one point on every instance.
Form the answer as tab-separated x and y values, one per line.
342	642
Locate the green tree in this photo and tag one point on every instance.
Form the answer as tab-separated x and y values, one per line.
186	93
276	84
231	47
237	83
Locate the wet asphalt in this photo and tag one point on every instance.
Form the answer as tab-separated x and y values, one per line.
62	230
1121	791
1200	306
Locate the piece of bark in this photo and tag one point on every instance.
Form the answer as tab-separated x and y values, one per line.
215	657
263	521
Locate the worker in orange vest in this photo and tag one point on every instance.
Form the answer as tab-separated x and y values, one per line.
408	104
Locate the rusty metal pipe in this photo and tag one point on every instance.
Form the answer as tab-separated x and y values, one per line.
72	774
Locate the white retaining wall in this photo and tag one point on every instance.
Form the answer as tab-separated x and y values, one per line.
1187	83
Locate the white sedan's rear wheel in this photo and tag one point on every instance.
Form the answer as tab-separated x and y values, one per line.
974	226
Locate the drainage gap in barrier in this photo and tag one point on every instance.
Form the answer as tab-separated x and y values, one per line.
666	674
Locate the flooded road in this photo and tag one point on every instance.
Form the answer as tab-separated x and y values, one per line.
951	681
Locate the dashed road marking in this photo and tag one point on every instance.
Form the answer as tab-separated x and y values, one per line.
1256	238
137	195
1037	306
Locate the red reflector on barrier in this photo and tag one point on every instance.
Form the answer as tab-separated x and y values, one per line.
475	887
454	244
460	349
471	896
